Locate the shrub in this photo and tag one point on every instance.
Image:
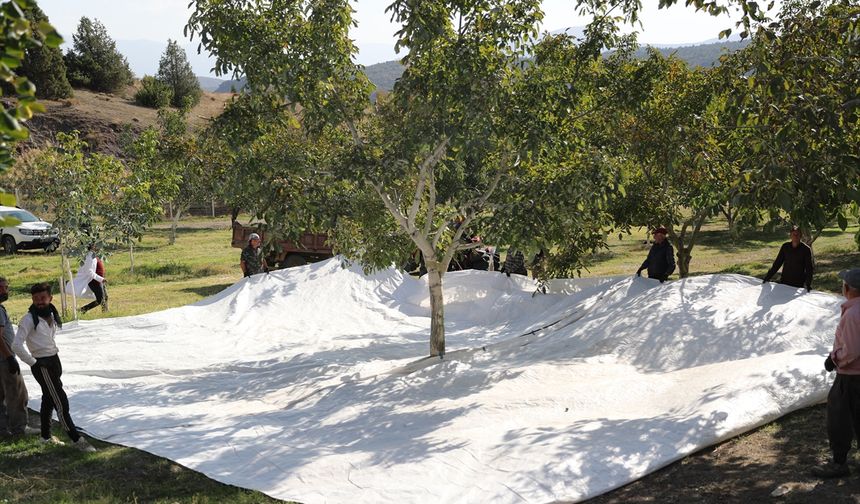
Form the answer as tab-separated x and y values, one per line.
153	93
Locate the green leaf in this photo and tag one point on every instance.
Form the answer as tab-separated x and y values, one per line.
7	199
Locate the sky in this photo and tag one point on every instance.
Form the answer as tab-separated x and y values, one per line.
131	23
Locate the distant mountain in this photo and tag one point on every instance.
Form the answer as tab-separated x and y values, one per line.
703	55
383	75
231	85
210	84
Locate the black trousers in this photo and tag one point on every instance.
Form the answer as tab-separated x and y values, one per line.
96	287
48	373
843	415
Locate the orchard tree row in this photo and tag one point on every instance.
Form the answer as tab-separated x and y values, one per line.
539	142
536	141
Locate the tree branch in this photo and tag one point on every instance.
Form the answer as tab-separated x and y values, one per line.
473	207
423	173
431	204
401	219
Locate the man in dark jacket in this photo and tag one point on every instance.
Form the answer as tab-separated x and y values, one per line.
252	261
795	259
660	262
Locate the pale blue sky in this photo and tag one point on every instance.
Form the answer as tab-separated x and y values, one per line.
158	20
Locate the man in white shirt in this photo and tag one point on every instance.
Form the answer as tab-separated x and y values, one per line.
37	330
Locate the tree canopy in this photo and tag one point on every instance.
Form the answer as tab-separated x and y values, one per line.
493	130
18	35
44	64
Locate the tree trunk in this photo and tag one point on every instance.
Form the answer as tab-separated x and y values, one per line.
437	309
131	256
174	222
684	256
730	215
67	269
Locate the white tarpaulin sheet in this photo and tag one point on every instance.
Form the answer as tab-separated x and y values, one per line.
302	383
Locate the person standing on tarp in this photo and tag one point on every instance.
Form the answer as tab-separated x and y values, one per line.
843	401
660	262
35	343
13	392
252	260
795	259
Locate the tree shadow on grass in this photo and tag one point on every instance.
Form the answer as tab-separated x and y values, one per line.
206	290
827	267
748	468
723	240
114	474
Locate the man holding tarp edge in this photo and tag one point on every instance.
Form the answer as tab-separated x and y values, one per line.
843	401
660	262
795	259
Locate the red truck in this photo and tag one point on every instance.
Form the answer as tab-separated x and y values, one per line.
311	247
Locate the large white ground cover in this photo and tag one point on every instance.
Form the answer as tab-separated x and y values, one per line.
302	383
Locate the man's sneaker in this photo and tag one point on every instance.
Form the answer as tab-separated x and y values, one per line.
84	445
831	470
53	440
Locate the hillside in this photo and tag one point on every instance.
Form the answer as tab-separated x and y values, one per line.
103	117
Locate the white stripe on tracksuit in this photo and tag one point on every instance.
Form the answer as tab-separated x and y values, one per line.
58	405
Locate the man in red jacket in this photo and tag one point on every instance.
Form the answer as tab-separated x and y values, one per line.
843	401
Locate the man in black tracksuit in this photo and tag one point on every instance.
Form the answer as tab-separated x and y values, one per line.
795	259
661	258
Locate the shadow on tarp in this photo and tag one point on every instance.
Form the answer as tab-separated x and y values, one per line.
390	420
595	456
695	334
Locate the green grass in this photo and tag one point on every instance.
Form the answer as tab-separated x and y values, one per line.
199	264
202	263
35	473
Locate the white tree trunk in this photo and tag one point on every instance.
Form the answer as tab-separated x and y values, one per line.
131	256
63	307
174	222
67	270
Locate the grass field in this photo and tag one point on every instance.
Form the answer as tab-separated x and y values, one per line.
201	263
